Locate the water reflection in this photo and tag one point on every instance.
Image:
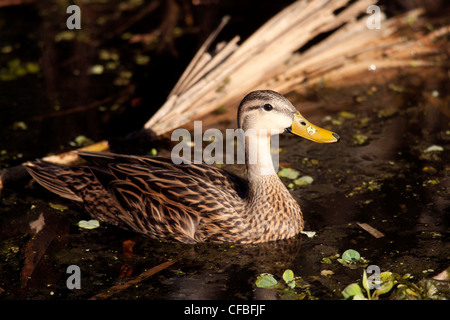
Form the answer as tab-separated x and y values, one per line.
229	272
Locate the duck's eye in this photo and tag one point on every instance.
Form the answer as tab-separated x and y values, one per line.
303	123
268	107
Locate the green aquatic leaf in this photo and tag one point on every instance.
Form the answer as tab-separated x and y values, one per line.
32	67
351	291
387	276
304	181
288	173
66	35
359	296
386	283
351	255
360	139
81	141
385	287
59	207
266	280
15	69
288	277
91	224
352	259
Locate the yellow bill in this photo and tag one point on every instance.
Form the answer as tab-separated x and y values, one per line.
303	128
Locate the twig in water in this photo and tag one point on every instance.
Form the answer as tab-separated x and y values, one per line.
143	276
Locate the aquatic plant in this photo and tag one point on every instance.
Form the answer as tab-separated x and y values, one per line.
352	259
288	287
399	286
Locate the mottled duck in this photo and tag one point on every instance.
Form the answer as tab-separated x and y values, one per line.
193	202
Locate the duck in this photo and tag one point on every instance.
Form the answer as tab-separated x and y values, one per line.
189	202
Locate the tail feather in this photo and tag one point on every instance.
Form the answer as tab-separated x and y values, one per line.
78	184
48	176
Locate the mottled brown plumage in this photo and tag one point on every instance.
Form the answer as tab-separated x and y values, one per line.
188	202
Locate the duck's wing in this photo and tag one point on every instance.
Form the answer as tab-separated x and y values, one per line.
153	196
173	204
220	178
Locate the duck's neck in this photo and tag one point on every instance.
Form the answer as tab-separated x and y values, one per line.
258	157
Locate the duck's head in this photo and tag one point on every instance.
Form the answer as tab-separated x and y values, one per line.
270	111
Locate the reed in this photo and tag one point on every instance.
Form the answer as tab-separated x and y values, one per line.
270	58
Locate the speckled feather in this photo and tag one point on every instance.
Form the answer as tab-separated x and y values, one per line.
187	202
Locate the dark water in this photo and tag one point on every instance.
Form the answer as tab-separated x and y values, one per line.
380	173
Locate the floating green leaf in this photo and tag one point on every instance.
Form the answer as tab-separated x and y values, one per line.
353	292
387	282
360	139
81	141
351	255
65	36
352	259
385	287
142	59
304	181
288	277
32	67
288	173
16	68
266	280
58	207
387	276
91	224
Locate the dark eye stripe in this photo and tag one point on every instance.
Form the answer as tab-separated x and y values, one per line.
251	108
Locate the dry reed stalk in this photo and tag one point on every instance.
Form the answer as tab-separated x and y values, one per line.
268	58
251	63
